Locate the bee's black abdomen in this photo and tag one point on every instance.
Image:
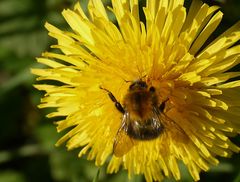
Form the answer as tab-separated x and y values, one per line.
147	131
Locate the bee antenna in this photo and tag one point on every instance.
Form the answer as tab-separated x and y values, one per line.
127	81
143	77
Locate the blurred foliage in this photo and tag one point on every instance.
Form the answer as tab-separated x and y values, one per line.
27	138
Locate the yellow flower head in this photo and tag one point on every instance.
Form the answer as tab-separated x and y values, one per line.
145	95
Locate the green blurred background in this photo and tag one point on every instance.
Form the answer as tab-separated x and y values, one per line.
27	138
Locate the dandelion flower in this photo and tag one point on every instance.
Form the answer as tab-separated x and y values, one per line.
166	51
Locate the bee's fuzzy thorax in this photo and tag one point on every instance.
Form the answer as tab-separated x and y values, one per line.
139	103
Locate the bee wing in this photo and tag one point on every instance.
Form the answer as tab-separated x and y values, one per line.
172	126
122	143
157	119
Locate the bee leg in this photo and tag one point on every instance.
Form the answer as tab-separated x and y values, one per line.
162	106
117	104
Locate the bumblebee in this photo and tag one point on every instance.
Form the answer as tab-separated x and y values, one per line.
142	116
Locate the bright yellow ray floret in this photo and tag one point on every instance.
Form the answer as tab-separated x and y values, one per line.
166	51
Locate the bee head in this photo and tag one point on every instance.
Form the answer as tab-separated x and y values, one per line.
138	85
